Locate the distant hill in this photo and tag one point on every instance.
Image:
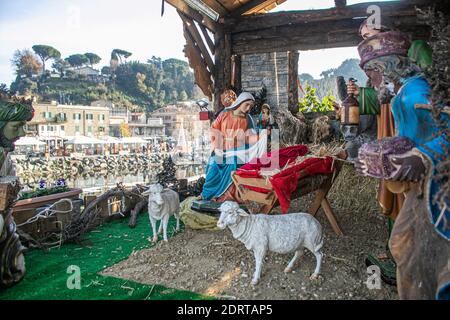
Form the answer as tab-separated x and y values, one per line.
144	86
327	83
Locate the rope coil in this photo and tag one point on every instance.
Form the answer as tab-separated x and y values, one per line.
48	212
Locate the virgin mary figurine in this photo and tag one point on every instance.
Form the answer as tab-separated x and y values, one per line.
233	141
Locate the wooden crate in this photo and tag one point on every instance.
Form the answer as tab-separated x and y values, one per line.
9	188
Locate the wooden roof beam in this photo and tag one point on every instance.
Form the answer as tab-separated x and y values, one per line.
253	5
270	20
328	34
195	15
194	35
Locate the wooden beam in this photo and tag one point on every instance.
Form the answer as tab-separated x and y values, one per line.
292	82
246	7
197	39
219	61
328	34
196	62
270	20
227	66
218	7
340	3
193	14
208	39
236	72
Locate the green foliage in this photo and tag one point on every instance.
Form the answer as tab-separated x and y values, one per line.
312	103
77	60
93	58
45	53
26	63
135	85
43	192
61	66
24	86
156	83
327	84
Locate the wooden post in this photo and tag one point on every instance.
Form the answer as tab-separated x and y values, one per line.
219	61
236	80
292	81
222	61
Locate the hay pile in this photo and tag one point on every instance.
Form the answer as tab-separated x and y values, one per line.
353	193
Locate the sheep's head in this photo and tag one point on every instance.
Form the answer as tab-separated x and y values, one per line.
154	193
230	214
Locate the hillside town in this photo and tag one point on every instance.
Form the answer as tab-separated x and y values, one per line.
60	130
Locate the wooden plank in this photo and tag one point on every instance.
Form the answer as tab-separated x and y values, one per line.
271	20
193	14
265	7
253	182
236	76
292	81
208	39
227	60
328	34
196	62
195	37
219	61
251	195
247	7
217	6
331	217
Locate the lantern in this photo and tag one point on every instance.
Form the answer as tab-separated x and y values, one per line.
350	111
350	107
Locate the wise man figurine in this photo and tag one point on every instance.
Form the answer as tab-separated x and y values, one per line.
420	238
13	116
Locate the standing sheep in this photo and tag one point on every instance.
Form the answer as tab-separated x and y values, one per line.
278	233
162	203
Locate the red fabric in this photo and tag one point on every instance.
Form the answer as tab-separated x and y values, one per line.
282	156
286	181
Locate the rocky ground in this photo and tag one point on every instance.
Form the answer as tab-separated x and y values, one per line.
212	262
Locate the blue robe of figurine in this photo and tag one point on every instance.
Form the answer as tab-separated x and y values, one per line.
418	125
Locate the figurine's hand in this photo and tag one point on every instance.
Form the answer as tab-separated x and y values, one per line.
412	169
352	88
337	109
360	167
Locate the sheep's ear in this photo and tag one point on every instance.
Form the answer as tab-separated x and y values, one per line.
242	213
146	192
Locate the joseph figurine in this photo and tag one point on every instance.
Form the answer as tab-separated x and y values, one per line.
13	117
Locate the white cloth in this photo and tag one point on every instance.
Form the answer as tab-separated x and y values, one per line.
244	96
245	155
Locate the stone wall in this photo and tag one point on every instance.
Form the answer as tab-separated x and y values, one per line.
269	69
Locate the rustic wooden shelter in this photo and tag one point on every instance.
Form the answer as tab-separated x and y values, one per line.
219	32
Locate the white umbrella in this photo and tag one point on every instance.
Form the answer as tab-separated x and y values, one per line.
110	140
133	140
84	140
29	141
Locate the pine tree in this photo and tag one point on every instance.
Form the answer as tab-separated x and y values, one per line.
166	177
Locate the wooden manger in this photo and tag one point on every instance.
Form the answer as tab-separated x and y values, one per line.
320	184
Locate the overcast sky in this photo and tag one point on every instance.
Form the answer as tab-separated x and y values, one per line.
80	26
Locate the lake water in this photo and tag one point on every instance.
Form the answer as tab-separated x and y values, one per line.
98	184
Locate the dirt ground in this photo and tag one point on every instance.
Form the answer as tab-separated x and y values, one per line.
213	262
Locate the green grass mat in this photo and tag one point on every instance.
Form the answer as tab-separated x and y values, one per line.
47	271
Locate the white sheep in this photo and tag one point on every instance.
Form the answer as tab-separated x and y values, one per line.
278	233
162	203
